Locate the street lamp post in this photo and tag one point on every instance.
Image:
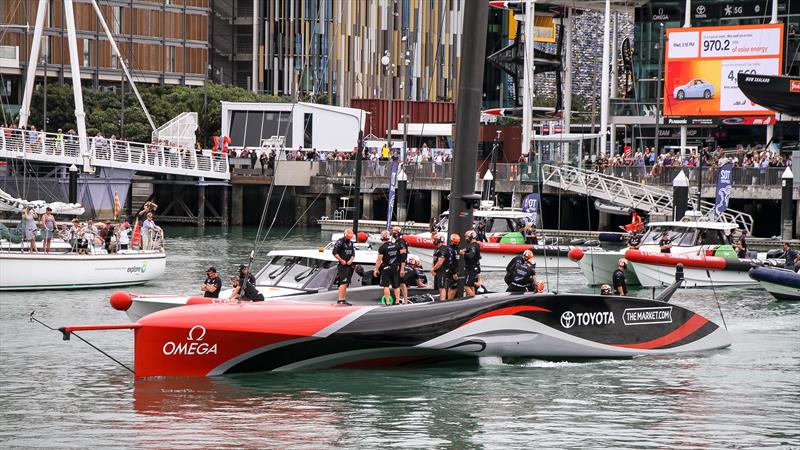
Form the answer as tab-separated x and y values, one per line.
385	61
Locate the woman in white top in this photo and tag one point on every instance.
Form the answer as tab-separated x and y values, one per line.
124	236
29	217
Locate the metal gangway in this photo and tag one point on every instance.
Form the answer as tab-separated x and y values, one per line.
162	157
630	193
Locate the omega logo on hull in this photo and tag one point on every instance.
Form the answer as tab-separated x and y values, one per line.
194	344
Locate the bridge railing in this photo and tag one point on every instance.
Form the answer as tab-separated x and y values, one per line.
65	149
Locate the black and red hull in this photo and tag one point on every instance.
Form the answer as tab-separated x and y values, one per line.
206	340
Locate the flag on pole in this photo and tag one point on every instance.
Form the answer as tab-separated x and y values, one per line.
724	186
392	189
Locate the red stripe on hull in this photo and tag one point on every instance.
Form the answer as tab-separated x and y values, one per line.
685	330
667	259
510	311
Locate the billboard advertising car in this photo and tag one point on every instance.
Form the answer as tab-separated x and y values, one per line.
702	64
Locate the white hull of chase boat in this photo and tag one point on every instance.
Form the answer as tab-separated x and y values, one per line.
39	271
598	267
652	275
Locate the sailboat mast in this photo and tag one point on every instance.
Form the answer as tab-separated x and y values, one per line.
468	107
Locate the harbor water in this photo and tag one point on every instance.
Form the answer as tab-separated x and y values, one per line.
64	394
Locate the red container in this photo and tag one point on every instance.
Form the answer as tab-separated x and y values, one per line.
418	112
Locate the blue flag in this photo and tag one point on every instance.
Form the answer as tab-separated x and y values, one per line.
392	188
724	186
531	205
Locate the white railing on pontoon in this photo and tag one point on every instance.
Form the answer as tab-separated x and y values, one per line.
629	193
104	152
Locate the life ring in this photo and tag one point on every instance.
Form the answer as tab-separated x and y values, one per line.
383	300
657	170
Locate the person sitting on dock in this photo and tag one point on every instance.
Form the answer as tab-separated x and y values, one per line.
472	264
388	265
247	285
455	240
441	262
618	278
345	254
212	285
523	277
665	243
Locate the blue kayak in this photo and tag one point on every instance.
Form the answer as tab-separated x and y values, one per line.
783	284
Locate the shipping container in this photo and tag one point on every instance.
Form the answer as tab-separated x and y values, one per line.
377	120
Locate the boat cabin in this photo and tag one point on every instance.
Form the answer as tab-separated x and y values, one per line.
689	233
313	270
498	220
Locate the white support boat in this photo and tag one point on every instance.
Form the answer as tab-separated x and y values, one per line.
38	271
505	242
700	270
688	236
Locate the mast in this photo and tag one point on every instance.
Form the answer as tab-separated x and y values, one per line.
468	107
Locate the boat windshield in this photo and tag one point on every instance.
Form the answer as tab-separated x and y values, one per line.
685	236
291	271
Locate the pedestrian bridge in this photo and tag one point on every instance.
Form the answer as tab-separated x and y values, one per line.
102	152
629	193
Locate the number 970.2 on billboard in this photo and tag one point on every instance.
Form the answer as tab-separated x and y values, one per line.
702	65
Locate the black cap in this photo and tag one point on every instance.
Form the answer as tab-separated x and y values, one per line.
242	266
212	269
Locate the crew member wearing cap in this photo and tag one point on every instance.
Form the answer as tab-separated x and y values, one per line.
388	265
441	263
523	278
402	246
345	254
605	289
618	278
472	264
212	285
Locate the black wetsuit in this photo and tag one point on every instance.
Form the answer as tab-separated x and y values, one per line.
440	279
248	289
390	265
522	278
452	271
402	247
343	248
618	280
216	282
472	263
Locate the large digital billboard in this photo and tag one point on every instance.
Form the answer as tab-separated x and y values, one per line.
702	64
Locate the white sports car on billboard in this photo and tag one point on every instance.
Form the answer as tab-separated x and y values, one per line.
696	88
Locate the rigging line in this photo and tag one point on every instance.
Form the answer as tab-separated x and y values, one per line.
275	216
711	281
302	215
72	333
558	260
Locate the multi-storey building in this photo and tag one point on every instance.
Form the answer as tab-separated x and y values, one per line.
163	41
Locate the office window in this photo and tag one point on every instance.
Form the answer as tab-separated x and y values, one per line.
87	53
171	58
114	60
116	26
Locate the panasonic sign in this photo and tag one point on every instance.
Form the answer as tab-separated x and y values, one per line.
647	316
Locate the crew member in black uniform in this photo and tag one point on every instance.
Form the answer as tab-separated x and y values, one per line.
530	235
472	264
345	254
452	290
414	276
441	264
634	241
665	243
388	265
247	286
512	265
741	246
212	285
618	278
480	231
402	246
523	278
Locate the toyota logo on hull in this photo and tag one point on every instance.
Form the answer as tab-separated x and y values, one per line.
570	319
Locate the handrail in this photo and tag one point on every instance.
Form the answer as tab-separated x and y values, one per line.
62	148
629	193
